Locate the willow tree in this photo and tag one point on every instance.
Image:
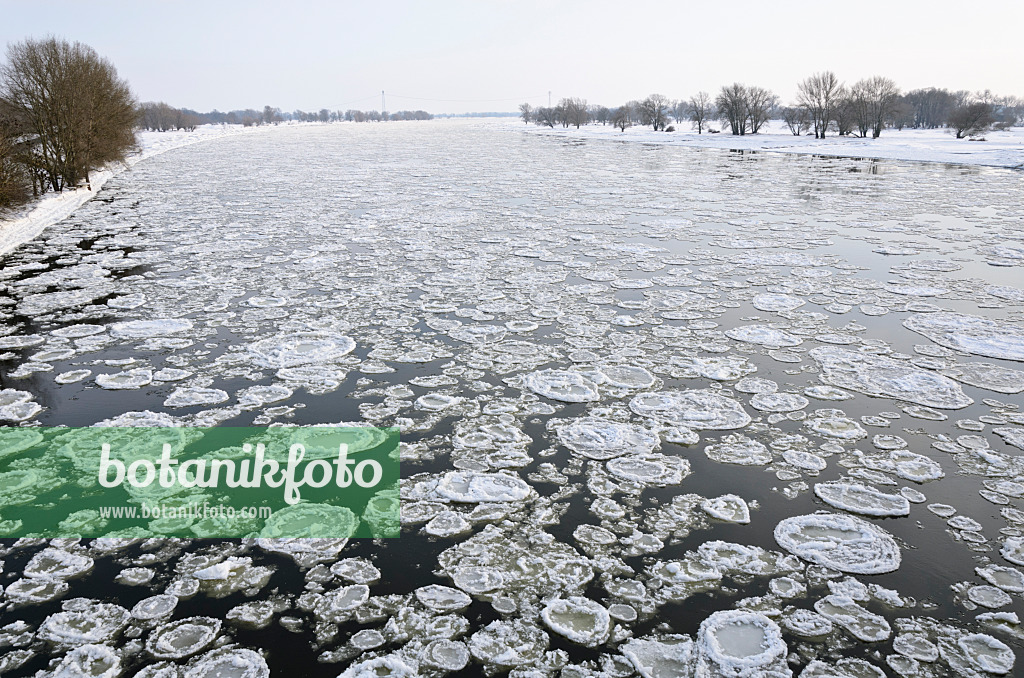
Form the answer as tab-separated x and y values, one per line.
70	106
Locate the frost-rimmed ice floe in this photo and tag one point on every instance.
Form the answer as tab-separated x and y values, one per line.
729	507
988	376
563	385
579	619
182	638
881	376
763	335
738	449
300	348
970	333
144	329
841	542
863	499
472	487
741	643
603	439
696	409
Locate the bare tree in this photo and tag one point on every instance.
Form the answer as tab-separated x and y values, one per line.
701	110
575	112
843	116
545	115
621	118
69	105
654	111
732	107
819	94
797	119
877	96
761	103
525	112
972	119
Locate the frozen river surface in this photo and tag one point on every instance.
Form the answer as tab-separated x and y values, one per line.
665	412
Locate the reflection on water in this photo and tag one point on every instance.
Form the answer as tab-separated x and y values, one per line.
602	358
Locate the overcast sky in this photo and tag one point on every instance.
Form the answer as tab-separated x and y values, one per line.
485	55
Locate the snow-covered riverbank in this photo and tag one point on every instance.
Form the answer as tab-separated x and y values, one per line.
999	149
28	222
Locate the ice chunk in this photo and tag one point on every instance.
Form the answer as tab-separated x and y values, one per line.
144	329
579	619
447	655
738	449
835	424
300	348
1013	435
94	661
847	667
669	656
182	638
776	302
442	598
863	499
728	507
128	379
81	624
778	402
806	623
602	439
191	397
508	643
473	487
53	563
864	625
627	376
232	662
988	376
763	335
72	376
17	405
988	596
877	375
737	642
841	542
570	387
970	333
985	652
696	409
1007	578
652	470
154	607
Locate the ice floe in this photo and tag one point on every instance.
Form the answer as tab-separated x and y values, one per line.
841	542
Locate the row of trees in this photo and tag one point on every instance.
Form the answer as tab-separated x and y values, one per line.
824	104
64	112
160	117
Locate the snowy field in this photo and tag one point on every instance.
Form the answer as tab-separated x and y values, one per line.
999	149
663	413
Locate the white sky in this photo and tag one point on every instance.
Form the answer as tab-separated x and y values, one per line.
487	55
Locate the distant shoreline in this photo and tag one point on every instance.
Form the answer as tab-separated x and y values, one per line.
999	150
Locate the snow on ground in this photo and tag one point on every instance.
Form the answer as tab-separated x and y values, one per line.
32	219
999	149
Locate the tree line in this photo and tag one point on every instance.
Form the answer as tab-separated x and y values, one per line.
160	117
64	112
824	104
